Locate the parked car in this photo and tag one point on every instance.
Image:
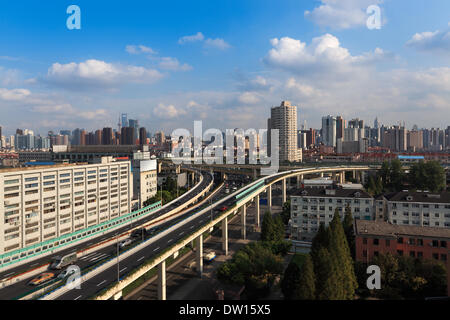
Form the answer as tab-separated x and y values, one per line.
42	278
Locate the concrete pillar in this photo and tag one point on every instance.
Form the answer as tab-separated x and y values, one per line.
257	211
162	281
354	174
255	174
333	176
342	177
299	181
321	174
283	187
200	255
243	222
225	235
269	197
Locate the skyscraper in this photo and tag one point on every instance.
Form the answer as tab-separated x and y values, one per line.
340	126
329	127
284	118
142	136
107	136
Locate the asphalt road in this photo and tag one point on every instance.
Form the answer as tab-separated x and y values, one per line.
21	287
94	285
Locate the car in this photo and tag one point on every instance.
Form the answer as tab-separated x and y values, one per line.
124	243
44	277
222	209
66	273
227	190
138	233
60	262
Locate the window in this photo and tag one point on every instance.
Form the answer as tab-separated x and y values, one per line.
435	243
443	244
412	241
375	241
412	254
400	252
400	240
388	243
436	256
443	257
364	240
420	242
419	254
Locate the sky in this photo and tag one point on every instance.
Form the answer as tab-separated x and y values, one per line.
225	63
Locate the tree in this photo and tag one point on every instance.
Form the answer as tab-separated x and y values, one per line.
319	241
340	252
286	213
348	229
306	287
291	280
327	283
272	229
435	176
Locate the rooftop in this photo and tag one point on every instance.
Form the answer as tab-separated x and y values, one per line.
417	196
383	228
332	193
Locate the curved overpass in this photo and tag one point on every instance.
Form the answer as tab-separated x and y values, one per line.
13	276
169	242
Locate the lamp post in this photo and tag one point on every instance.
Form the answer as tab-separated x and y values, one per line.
118	272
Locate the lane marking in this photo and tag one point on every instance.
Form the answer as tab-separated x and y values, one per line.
9	274
99	257
181	233
169	240
77	298
123	269
156	249
101	283
140	258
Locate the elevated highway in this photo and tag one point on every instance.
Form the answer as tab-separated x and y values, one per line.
106	283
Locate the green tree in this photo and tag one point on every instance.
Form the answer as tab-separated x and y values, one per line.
291	280
286	213
348	229
306	287
272	229
319	241
327	283
340	252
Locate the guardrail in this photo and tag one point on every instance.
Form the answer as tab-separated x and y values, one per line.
257	187
112	225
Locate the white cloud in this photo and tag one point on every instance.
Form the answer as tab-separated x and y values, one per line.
169	63
96	73
249	98
14	94
167	111
196	37
438	41
217	43
341	14
324	57
138	49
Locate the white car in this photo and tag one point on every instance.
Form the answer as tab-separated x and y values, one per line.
125	243
66	273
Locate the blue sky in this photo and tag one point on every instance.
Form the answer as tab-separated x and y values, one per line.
239	59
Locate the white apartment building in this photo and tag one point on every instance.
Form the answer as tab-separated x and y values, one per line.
284	118
312	206
415	208
45	202
145	180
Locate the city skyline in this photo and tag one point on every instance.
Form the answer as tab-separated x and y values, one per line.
165	71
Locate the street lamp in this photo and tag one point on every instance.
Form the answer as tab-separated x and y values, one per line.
118	272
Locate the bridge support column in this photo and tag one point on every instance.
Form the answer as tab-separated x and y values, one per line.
257	211
342	177
283	187
225	235
321	174
354	173
243	222
299	181
200	255
269	197
333	176
162	281
255	174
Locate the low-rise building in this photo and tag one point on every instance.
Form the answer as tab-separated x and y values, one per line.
373	238
416	208
312	206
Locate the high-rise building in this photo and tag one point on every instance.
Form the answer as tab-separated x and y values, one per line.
395	138
127	136
284	118
107	136
142	136
124	120
340	127
329	127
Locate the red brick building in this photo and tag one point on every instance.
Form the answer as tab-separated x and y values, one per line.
379	237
